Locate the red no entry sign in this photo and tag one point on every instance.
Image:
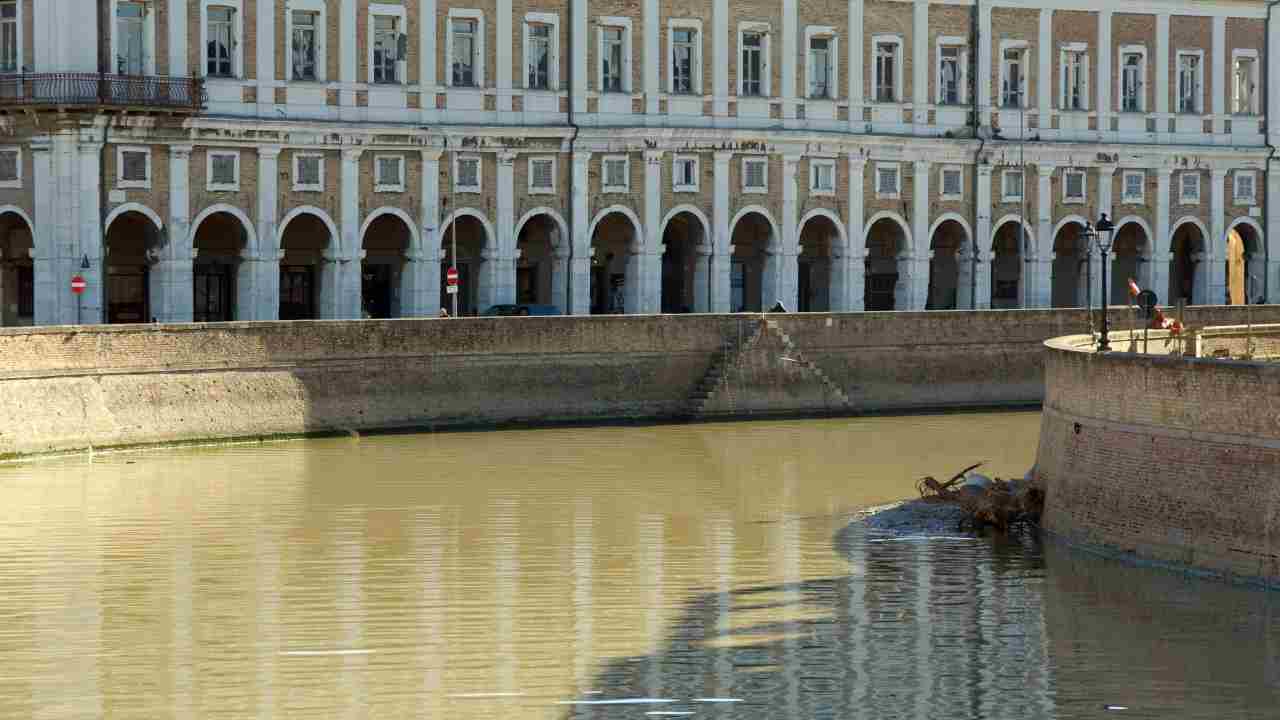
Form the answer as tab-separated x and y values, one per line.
451	277
78	284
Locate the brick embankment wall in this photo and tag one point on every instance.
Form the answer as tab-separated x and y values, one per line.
64	389
1173	460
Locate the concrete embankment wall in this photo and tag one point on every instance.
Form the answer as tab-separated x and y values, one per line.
1174	460
65	389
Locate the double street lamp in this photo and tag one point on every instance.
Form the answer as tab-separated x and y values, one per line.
1103	235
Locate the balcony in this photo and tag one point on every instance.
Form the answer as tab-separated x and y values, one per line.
94	90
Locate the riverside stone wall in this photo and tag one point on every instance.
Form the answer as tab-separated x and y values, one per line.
64	389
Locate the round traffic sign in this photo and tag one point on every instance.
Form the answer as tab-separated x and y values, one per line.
78	284
451	277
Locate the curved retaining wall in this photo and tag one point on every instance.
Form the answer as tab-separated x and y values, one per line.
1172	460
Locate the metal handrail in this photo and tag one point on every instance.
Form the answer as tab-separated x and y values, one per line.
61	89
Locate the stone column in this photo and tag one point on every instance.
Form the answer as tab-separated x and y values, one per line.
964	277
650	300
653	57
1161	61
85	186
171	276
921	251
428	78
265	37
347	48
1218	78
722	242
838	280
580	262
1043	87
506	46
1106	176
560	253
581	75
981	291
1213	270
854	298
350	248
504	272
1161	243
790	37
1038	283
420	286
787	289
1104	103
258	277
1273	201
56	244
720	54
177	22
921	47
984	69
853	51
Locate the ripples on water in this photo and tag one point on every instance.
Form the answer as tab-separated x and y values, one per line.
690	571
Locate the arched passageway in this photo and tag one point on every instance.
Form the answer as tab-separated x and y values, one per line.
1188	252
817	238
17	276
218	243
386	242
1071	276
612	244
948	245
680	292
1129	256
1006	266
752	239
130	243
886	248
1245	265
540	273
471	239
304	241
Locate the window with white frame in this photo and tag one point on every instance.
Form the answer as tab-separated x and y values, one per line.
222	171
306	35
388	44
541	56
615	55
1244	82
753	71
222	39
542	175
133	39
952	183
1013	75
10	167
822	63
684	173
755	175
1244	187
1073	186
953	71
9	37
466	173
133	167
1011	185
617	173
1133	74
685	71
822	177
388	173
1189	188
886	80
1190	72
1133	187
465	49
888	181
1074	77
308	172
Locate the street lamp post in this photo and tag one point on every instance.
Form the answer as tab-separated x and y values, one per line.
1104	232
1089	234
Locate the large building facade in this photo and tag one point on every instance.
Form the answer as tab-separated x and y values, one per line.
261	159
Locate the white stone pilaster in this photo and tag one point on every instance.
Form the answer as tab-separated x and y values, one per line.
347	49
580	27
258	278
177	21
1219	77
854	296
920	65
855	51
1104	104
922	251
171	275
790	37
48	261
653	33
984	66
504	271
1161	242
780	280
1273	100
1161	60
580	261
1106	182
428	78
340	271
506	48
722	242
1038	259
1043	86
1273	220
82	168
420	281
1211	272
650	295
720	53
266	49
981	291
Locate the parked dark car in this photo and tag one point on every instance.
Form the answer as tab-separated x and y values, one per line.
511	310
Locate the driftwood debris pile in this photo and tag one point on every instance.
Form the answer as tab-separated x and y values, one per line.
986	502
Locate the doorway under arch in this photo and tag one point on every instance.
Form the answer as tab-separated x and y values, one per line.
681	238
303	242
1130	253
471	240
948	245
386	245
752	239
1007	282
818	237
17	272
1071	277
219	241
612	244
886	246
130	243
1187	249
541	275
1246	265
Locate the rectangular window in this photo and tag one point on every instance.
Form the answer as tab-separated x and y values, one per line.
822	177
1243	85
388	173
539	57
755	177
1131	76
684	51
820	65
887	181
1012	186
886	72
1189	189
224	171
386	48
1013	89
134	167
952	183
1188	83
752	63
467	174
1073	186
10	167
308	172
542	175
222	42
684	172
8	37
464	53
1134	184
616	174
304	44
1244	183
949	75
1075	77
131	52
611	57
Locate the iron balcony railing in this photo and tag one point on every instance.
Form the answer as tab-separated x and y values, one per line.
96	89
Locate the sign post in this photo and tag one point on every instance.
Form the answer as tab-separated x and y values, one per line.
451	286
77	287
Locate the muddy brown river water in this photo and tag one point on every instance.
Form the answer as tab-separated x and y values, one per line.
704	571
